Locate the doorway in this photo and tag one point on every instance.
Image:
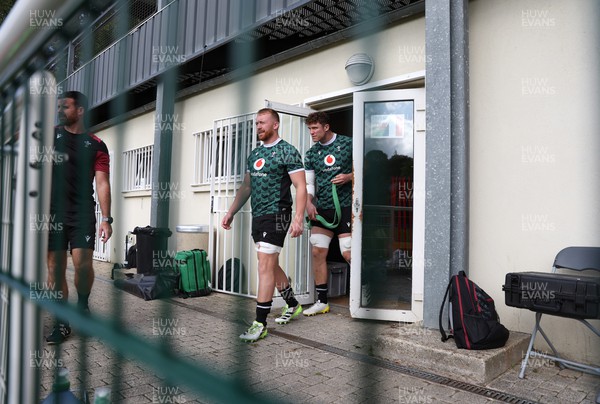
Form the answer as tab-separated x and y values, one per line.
341	123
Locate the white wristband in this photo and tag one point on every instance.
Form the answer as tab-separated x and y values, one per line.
310	182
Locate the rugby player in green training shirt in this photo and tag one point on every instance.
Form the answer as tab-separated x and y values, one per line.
327	162
272	168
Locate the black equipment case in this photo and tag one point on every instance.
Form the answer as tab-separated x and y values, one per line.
570	296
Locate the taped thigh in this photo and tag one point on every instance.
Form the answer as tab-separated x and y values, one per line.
320	240
345	244
267	248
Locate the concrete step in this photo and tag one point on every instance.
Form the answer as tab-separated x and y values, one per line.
422	348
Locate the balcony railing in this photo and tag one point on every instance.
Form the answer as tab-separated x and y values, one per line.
146	51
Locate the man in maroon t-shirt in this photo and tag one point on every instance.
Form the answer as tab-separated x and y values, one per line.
81	159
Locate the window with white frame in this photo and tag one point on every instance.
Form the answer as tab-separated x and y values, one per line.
226	151
137	174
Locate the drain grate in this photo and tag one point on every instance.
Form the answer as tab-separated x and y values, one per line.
431	377
406	370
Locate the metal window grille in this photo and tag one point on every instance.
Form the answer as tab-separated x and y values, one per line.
233	138
202	157
137	175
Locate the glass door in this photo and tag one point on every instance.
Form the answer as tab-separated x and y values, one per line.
387	271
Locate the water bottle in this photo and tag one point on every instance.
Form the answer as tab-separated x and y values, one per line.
60	390
102	395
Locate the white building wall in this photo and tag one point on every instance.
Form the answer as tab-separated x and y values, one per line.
535	170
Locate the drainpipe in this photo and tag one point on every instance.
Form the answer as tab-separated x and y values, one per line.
447	170
163	127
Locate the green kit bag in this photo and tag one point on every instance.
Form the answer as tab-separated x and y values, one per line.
194	268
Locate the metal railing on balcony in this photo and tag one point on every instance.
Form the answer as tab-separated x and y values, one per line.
201	26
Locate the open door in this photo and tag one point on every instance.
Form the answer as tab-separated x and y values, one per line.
387	272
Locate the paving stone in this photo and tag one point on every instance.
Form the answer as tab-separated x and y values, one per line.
141	399
550	400
570	395
501	385
570	373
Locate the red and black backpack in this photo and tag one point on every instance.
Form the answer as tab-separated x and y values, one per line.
474	322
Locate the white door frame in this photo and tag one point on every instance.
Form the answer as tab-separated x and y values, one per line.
418	262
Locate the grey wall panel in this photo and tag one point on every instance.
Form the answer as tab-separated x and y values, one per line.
210	20
112	71
76	84
161	24
97	83
89	78
70	82
102	73
109	61
79	83
235	16
262	10
200	26
189	40
154	38
146	48
137	69
129	58
247	13
222	20
293	3
135	45
276	5
136	51
103	65
183	34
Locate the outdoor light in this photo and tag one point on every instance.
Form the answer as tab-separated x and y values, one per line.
359	68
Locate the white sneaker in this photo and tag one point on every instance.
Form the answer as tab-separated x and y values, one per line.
317	308
255	332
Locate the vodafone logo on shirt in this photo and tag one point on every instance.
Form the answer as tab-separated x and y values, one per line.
329	160
259	164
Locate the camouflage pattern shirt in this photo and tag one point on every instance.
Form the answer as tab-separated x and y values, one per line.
270	167
327	161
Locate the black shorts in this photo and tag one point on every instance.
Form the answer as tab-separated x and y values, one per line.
272	228
345	225
71	233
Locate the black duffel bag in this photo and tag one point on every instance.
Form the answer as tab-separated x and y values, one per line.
150	287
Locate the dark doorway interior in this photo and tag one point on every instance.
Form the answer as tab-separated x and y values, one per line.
341	123
341	120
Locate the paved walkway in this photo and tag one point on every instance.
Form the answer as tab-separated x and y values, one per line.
322	359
